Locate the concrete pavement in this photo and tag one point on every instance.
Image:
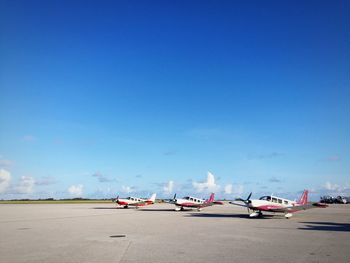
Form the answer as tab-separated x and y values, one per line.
102	233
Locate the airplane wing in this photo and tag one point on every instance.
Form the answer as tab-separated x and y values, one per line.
138	203
308	206
292	209
233	203
210	204
320	205
190	205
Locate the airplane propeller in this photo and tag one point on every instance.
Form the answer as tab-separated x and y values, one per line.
171	201
250	195
246	201
174	199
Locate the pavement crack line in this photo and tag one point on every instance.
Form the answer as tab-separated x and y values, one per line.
125	251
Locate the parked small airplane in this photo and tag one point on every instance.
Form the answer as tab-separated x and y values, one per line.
134	201
193	202
277	205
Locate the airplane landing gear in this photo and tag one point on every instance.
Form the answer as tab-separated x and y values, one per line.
256	214
288	215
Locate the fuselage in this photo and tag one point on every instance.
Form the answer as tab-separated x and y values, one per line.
133	201
271	203
189	201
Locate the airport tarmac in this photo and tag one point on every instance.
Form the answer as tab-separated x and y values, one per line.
101	233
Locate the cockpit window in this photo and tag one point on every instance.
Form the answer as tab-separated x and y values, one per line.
267	198
186	198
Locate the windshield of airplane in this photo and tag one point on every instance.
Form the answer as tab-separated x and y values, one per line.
186	197
267	198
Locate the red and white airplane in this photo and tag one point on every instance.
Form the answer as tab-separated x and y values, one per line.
134	201
193	202
277	205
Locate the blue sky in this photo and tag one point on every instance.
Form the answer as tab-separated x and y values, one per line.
99	98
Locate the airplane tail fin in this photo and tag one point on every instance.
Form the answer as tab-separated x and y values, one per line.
211	198
152	198
303	198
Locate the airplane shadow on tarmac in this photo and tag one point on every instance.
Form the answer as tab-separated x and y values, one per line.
326	226
108	208
134	208
246	216
157	210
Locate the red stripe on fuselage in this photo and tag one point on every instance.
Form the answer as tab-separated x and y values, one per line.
268	207
189	205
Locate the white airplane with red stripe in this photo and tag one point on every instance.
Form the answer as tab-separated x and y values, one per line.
194	203
277	205
135	201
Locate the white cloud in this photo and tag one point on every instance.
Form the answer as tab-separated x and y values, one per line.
127	189
25	185
335	189
5	178
76	190
207	186
169	187
228	189
47	180
102	178
331	187
5	162
274	179
236	190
